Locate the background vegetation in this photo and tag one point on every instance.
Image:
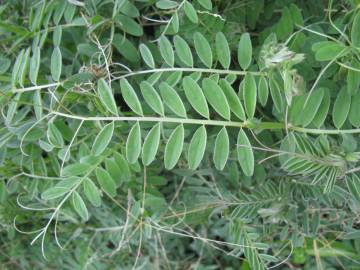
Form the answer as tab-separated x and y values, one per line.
178	134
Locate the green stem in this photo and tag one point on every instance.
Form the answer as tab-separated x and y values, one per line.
209	122
142	72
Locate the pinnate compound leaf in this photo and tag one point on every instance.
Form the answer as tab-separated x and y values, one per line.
166	50
245	51
341	108
172	99
106	96
103	139
91	192
151	144
250	94
197	147
79	206
147	55
133	144
221	150
222	50
105	181
203	49
174	147
152	97
195	96
130	97
216	97
183	51
245	153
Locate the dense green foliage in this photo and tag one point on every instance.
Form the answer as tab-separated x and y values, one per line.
178	134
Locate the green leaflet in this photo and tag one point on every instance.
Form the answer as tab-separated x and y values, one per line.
76	169
250	94
355	33
245	153
354	115
151	144
174	147
126	48
353	78
15	70
129	25
207	4
341	108
175	22
323	110
190	12
221	149
124	166
91	192
79	206
103	139
56	64
328	50
263	91
203	49
312	106
37	104
54	136
60	189
130	97
152	97
214	94
183	51
105	181
147	55
34	65
172	99
245	51
174	78
23	69
353	184
133	144
197	148
114	170
166	4
106	96
57	35
154	78
195	96
222	50
234	102
276	95
166	50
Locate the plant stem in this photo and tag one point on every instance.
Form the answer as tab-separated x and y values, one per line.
208	122
142	72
